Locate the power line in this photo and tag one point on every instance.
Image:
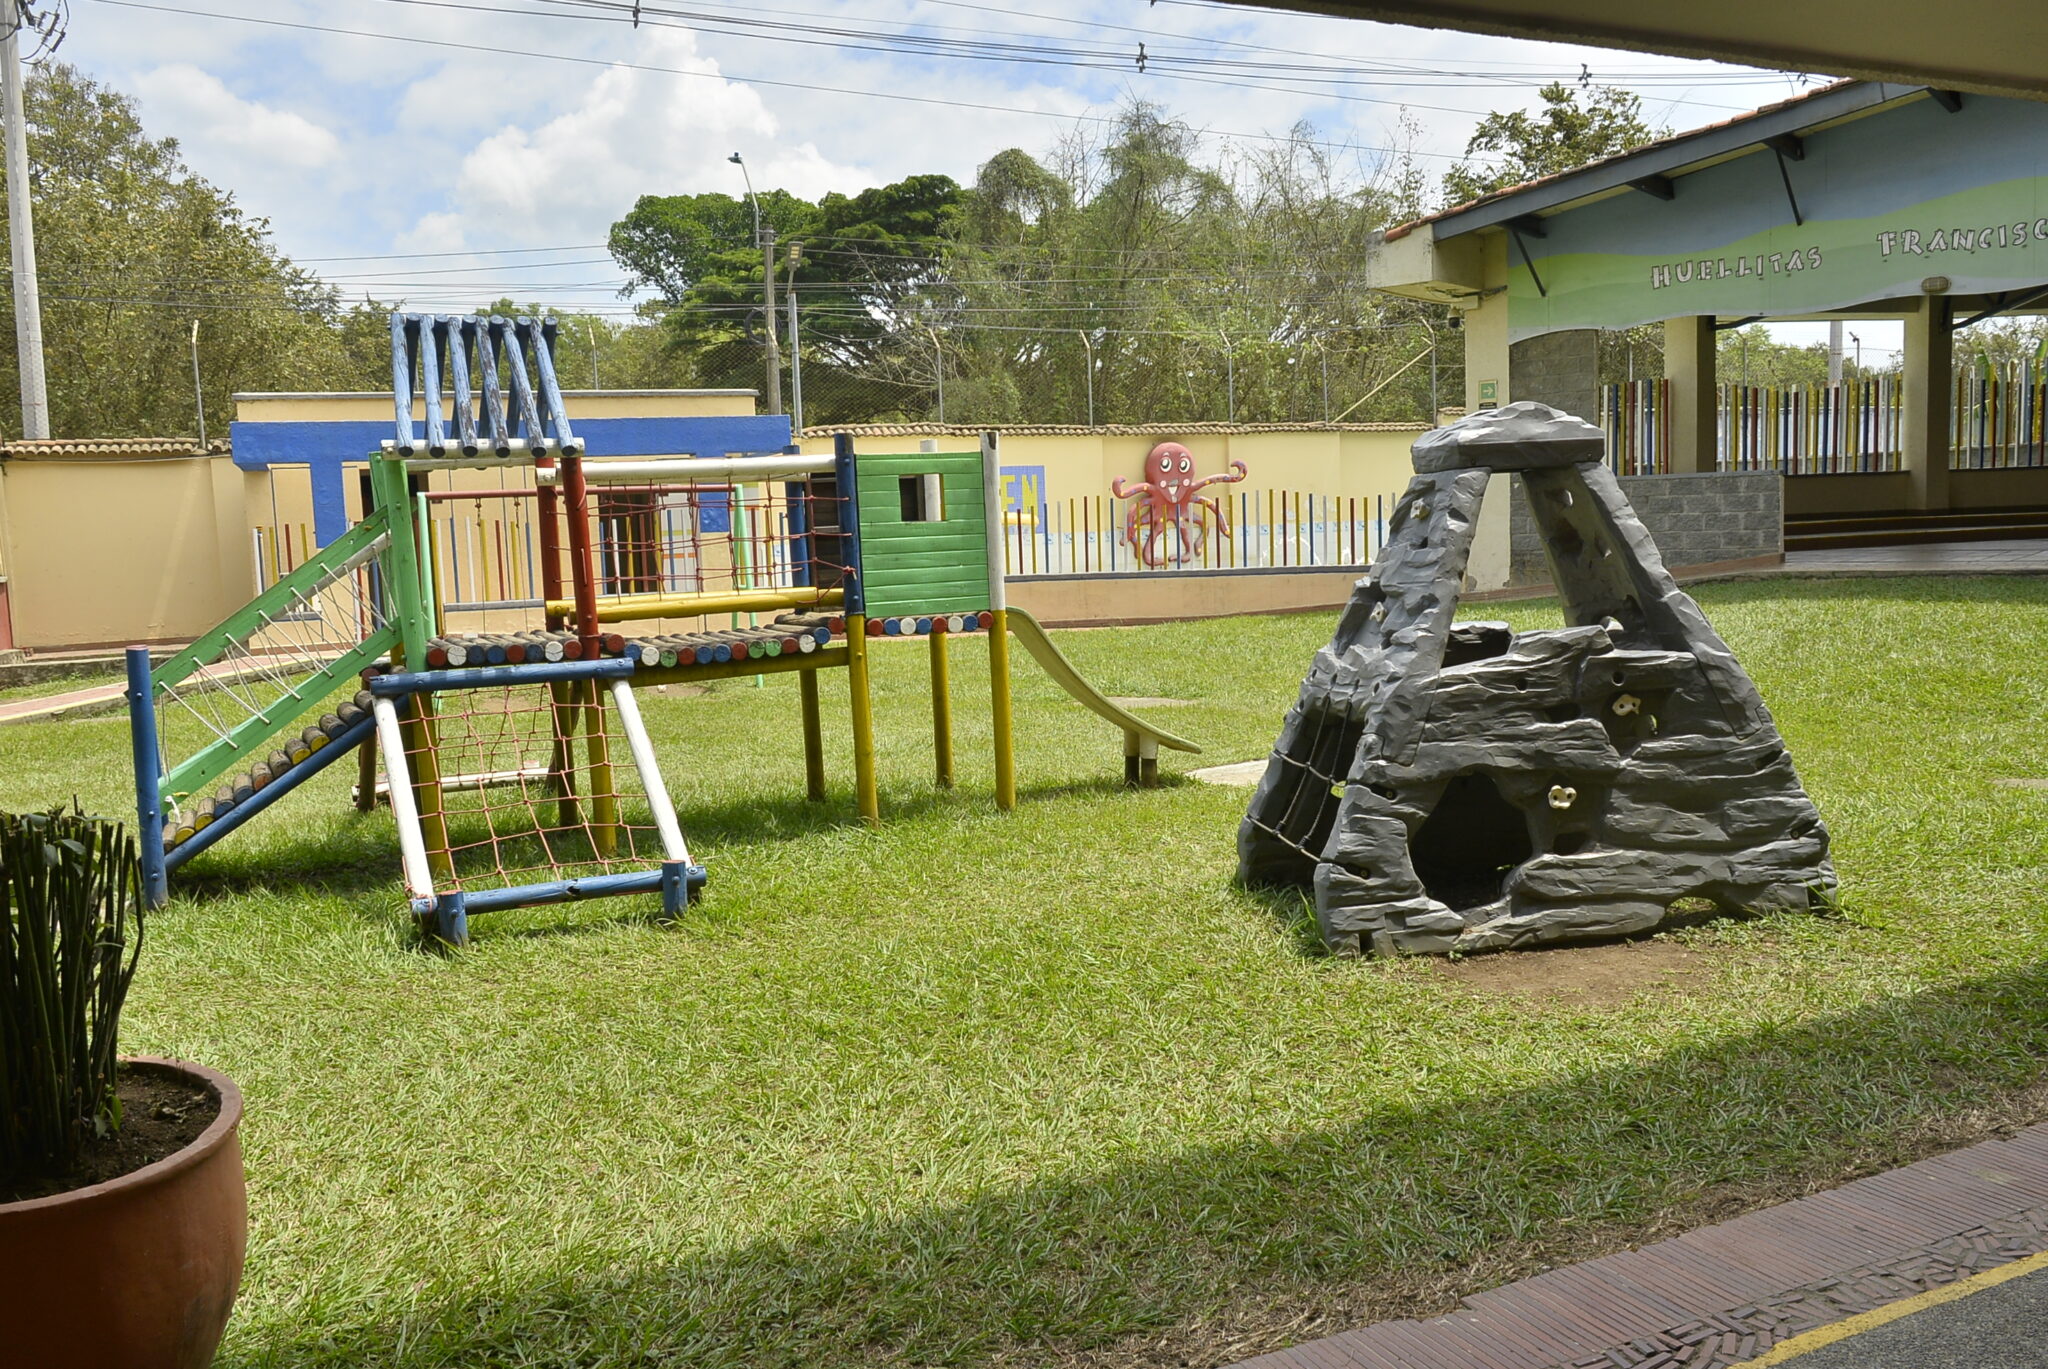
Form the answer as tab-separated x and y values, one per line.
498	52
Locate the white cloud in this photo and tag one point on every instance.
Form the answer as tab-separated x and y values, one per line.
200	109
633	133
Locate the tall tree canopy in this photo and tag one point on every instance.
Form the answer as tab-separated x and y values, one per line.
864	259
132	248
1575	125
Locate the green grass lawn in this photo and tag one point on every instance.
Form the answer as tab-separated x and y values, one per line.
983	1089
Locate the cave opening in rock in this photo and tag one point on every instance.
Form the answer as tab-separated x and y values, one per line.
1467	845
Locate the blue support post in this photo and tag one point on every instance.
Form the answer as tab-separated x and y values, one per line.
798	493
679	884
844	476
149	799
403	332
451	918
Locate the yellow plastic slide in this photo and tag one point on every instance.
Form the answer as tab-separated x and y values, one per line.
1142	740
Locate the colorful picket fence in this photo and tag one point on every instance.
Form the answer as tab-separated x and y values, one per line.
1636	417
1998	416
1269	529
1856	427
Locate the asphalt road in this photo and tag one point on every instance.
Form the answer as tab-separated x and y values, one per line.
2002	1327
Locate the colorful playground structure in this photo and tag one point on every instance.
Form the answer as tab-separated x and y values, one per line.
516	764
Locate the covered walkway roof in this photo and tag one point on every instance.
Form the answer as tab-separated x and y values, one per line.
1996	47
1849	199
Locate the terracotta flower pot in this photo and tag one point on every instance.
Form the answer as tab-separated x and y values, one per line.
139	1272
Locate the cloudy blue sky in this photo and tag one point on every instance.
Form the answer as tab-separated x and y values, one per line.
448	151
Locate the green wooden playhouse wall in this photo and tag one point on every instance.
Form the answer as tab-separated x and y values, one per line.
918	568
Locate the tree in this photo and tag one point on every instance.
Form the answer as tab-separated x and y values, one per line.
1563	134
1751	356
865	260
132	249
1160	283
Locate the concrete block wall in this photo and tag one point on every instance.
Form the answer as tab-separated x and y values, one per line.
1559	369
1709	519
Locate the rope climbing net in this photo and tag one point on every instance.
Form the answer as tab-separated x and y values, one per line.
528	784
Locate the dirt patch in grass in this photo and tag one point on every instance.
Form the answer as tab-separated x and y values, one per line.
1605	975
1256	1322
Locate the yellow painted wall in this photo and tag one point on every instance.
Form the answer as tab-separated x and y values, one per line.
106	549
1352	461
118	549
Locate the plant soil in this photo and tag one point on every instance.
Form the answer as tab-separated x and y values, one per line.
159	1117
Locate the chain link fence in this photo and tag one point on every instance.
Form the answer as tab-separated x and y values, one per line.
1073	378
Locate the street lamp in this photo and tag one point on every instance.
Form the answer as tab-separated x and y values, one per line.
764	238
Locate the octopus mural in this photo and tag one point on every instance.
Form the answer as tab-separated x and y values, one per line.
1169	498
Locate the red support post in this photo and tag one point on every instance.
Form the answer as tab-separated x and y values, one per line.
582	566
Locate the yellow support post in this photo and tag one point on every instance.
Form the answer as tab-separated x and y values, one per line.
562	755
604	794
999	697
998	629
942	711
814	736
863	719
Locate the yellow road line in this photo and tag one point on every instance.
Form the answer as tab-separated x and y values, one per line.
1890	1312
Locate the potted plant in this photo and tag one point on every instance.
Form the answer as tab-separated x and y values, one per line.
123	1216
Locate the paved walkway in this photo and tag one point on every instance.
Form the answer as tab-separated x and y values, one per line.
1724	1295
2018	557
103	696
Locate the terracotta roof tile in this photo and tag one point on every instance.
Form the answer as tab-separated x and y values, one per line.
107	448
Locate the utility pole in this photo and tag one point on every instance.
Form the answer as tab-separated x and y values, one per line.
796	357
1834	351
28	307
1229	378
1088	355
768	318
198	391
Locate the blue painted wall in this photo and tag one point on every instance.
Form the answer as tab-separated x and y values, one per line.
327	449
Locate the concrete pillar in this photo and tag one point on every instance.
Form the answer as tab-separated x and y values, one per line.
1488	385
1485	326
1930	356
1689	345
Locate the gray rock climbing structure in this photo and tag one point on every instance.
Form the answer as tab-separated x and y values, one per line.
1461	786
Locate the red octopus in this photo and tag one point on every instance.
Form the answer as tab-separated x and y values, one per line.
1168	498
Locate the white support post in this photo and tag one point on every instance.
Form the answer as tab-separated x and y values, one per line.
992	500
412	847
628	710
